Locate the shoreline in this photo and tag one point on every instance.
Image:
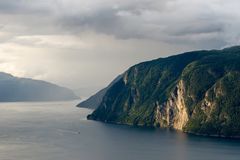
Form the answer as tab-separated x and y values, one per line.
186	132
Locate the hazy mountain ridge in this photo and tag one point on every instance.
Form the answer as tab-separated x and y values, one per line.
94	101
14	89
194	92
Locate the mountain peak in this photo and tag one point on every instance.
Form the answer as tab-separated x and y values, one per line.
232	48
4	75
15	89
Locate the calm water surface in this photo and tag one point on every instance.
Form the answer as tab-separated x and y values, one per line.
59	131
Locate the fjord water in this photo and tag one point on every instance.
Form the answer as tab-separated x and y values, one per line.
60	131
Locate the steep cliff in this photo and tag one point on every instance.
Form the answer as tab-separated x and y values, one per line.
194	92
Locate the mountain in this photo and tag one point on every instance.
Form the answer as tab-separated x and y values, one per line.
85	92
94	101
196	92
14	89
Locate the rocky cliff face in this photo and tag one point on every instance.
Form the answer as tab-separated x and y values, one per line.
177	116
173	113
194	92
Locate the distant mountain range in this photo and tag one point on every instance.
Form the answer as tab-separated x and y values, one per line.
94	101
14	89
196	92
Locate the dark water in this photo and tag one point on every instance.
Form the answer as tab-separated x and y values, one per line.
59	131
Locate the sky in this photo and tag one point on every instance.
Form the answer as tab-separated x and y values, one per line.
86	43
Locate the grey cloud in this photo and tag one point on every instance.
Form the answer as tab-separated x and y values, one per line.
116	33
196	28
140	19
137	22
103	21
24	7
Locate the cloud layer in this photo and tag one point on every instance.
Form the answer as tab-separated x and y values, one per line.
86	43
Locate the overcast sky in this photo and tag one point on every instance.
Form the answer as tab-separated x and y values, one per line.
86	43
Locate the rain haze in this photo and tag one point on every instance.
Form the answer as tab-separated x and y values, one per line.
85	44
